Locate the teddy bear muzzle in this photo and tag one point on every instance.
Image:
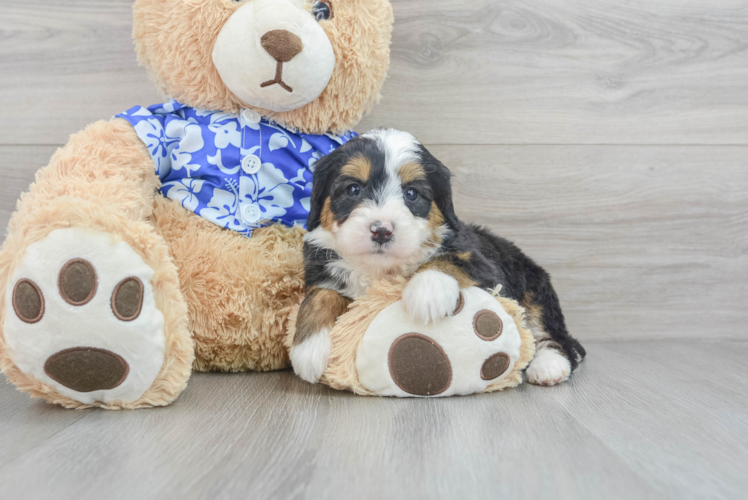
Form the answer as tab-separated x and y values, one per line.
283	46
274	37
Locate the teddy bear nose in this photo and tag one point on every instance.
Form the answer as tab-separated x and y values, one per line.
282	45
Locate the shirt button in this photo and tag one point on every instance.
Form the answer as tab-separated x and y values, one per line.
250	116
251	214
251	164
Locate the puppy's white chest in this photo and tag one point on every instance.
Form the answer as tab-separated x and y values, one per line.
357	280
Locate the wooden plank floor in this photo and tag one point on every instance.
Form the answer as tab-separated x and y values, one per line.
608	139
635	422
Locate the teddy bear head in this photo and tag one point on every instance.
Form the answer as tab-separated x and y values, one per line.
312	65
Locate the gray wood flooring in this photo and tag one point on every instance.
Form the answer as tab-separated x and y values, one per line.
608	138
640	419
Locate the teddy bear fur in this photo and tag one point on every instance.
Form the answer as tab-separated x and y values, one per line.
225	298
174	41
341	372
70	192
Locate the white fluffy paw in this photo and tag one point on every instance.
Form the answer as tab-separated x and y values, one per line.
309	359
431	296
549	367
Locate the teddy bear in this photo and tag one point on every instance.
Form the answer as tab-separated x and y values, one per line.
168	239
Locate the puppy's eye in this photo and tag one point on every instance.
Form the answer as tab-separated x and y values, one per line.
410	194
353	190
322	10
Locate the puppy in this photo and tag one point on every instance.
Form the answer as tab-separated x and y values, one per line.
381	207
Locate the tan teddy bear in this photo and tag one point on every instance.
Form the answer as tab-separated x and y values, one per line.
169	238
145	249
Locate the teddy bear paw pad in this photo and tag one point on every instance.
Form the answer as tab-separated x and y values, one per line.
461	354
83	318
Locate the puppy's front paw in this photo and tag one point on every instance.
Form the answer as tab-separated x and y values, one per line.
549	367
309	358
430	296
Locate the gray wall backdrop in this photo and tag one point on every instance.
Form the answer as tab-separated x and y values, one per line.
608	138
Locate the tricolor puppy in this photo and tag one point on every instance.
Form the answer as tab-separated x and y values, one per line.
382	207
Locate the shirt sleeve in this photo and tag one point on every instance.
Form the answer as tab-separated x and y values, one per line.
151	129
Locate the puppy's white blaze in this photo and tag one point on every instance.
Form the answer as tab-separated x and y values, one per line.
310	358
399	148
548	368
430	296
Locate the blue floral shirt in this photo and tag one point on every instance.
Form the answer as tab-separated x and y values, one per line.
239	171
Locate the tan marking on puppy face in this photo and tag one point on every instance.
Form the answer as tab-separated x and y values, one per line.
358	167
449	269
326	218
436	223
411	171
436	218
464	255
319	310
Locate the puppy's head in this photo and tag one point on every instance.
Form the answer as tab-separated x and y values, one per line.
381	200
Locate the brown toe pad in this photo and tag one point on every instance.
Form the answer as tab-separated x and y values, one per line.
127	299
494	366
487	325
77	282
28	301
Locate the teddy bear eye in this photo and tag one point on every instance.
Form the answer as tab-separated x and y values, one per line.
322	10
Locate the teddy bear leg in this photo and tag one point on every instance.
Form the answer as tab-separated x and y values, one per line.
378	348
480	346
92	313
239	290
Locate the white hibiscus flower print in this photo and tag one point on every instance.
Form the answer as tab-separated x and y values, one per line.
159	144
221	210
269	189
224	125
315	156
306	203
184	191
171	106
190	141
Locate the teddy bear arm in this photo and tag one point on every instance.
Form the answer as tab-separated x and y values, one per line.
91	311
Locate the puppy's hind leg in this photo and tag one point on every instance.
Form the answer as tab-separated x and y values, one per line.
557	353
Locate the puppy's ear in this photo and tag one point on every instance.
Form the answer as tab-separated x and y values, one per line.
440	177
324	174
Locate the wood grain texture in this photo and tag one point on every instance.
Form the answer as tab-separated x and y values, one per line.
487	72
638	420
555	72
642	242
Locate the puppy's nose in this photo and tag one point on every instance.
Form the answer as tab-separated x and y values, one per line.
281	44
381	233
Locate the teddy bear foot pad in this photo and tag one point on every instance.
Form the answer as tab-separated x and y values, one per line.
462	354
82	317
